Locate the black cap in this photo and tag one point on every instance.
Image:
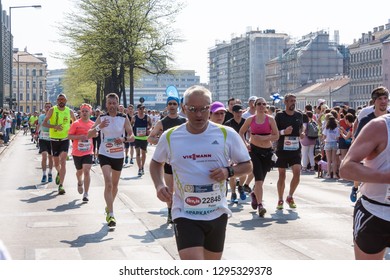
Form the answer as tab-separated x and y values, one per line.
237	108
140	106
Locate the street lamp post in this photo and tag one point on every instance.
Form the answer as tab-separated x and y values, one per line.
11	46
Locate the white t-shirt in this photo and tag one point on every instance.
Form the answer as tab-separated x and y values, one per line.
332	135
192	156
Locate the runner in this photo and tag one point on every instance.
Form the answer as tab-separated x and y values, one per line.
58	120
141	127
82	149
173	119
112	126
45	146
290	126
199	209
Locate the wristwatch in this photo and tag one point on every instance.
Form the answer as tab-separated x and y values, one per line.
230	171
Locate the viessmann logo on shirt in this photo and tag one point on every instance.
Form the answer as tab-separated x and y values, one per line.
195	156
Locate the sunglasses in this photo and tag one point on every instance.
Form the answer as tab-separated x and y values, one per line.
259	103
172	104
192	109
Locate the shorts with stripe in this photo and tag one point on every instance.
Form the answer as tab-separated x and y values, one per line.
370	233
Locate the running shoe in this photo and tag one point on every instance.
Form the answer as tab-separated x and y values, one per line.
261	210
254	201
131	161
242	193
143	171
233	198
126	160
353	195
139	172
106	211
247	188
291	202
85	199
50	178
80	188
61	189
44	178
111	222
58	178
280	205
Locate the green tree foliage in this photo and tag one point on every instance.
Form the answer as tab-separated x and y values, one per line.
112	40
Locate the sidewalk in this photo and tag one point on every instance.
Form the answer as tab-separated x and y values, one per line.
3	147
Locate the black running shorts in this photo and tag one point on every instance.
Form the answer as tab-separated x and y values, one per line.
79	161
370	233
207	234
115	163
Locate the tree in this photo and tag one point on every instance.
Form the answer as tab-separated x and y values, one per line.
109	37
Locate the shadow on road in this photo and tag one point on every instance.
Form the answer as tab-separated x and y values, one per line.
69	206
164	231
44	197
131	178
96	237
279	217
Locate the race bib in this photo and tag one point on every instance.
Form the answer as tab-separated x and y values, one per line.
141	131
111	147
202	199
44	135
84	146
291	143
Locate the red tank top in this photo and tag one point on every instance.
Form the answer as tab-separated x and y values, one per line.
261	128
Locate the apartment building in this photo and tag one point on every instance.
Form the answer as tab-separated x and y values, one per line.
237	68
29	77
369	64
311	58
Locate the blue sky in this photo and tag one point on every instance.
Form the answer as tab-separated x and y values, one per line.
203	22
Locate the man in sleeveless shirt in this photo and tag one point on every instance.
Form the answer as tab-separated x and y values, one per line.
142	124
58	120
112	127
371	225
171	120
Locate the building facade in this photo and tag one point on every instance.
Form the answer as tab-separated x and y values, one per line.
369	64
311	58
29	80
237	68
5	46
152	87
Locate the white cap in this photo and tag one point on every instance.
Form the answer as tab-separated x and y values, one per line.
252	98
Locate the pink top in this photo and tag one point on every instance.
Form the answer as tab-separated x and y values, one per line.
81	148
323	164
261	128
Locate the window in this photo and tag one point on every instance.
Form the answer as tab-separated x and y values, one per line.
27	84
27	72
27	97
21	96
34	72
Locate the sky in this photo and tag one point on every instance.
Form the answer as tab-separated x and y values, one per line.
204	22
